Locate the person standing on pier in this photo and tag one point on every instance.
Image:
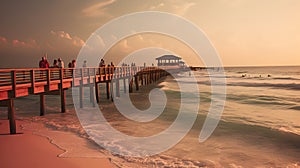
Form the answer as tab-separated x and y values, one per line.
55	64
84	64
102	63
44	63
73	63
61	63
70	65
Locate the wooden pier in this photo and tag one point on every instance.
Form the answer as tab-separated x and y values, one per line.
16	83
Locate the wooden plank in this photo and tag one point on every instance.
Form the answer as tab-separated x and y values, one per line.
4	95
22	92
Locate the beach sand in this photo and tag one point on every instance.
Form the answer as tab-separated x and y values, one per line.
28	149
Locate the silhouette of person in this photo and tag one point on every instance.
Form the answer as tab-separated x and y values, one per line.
102	63
61	63
55	64
73	63
84	64
44	63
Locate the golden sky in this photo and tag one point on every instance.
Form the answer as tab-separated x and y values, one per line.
244	32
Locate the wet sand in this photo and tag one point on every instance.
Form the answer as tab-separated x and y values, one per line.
27	149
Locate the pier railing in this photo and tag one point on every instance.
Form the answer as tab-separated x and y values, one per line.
13	79
23	76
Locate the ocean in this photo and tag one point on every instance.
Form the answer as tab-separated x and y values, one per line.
259	126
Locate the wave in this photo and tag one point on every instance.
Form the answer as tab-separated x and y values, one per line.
242	72
295	108
290	86
286	78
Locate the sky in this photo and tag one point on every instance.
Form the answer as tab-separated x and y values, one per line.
243	32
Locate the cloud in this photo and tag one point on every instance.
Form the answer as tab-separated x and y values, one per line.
154	7
76	41
3	41
31	43
175	6
98	9
61	34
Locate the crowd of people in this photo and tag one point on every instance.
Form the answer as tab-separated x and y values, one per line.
102	64
57	63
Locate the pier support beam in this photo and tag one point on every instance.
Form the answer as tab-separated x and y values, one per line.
81	96
63	100
97	92
92	95
117	88
124	83
11	116
42	104
107	90
136	80
112	91
130	85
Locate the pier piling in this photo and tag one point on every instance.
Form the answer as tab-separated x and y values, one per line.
11	116
42	104
63	100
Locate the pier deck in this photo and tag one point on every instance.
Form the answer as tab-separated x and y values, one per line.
16	83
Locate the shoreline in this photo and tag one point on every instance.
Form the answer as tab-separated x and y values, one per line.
31	149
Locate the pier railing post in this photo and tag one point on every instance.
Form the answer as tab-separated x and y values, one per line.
48	75
13	83
96	84
62	91
32	80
